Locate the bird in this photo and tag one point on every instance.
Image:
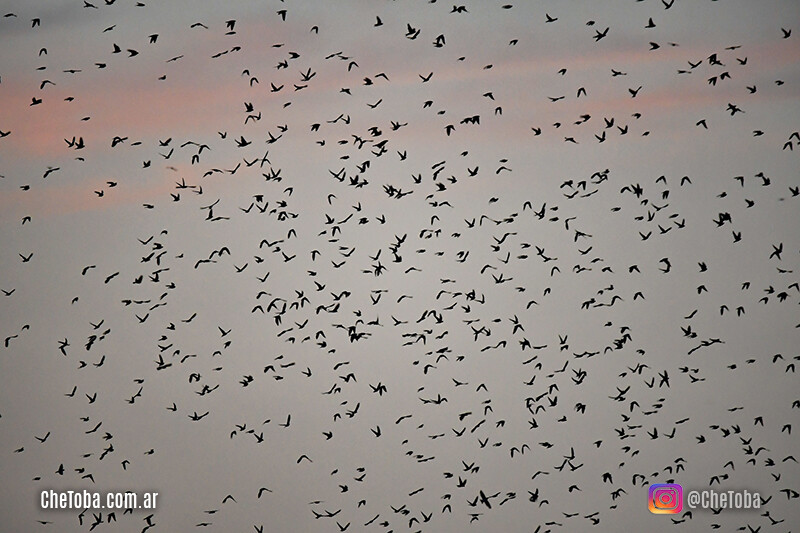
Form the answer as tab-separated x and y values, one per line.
454	291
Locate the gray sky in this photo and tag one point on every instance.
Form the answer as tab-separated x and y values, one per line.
622	209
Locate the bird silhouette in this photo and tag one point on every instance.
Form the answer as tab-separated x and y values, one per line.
409	282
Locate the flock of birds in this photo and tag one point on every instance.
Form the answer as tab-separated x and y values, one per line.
357	293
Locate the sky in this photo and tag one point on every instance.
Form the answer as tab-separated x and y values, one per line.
403	254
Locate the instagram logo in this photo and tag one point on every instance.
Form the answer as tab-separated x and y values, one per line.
665	498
